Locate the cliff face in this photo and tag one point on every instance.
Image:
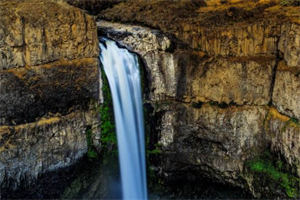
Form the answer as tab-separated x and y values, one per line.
49	83
222	80
224	85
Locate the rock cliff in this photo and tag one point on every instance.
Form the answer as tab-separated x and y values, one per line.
223	81
49	86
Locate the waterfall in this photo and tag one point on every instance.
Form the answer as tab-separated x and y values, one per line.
122	70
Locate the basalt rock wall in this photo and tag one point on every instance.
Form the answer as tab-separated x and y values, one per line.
223	92
49	87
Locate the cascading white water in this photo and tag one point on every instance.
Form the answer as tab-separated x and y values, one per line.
122	70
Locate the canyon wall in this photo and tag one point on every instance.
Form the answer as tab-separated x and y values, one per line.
223	83
49	86
221	79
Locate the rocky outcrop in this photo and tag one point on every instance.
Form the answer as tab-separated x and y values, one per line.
33	38
49	86
284	134
215	139
28	150
32	92
286	95
222	93
151	45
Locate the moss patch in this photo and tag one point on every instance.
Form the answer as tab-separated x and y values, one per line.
276	173
92	153
107	126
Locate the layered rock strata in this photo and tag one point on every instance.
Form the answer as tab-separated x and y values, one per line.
221	96
49	86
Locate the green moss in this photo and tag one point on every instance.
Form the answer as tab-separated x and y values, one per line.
294	120
107	126
290	2
291	121
92	154
91	149
154	151
276	171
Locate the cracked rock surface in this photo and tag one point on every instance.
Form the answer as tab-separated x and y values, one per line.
222	92
49	87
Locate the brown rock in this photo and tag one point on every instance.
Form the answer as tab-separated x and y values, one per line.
286	95
284	134
216	140
239	82
53	31
49	78
289	44
28	150
187	75
212	87
31	92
